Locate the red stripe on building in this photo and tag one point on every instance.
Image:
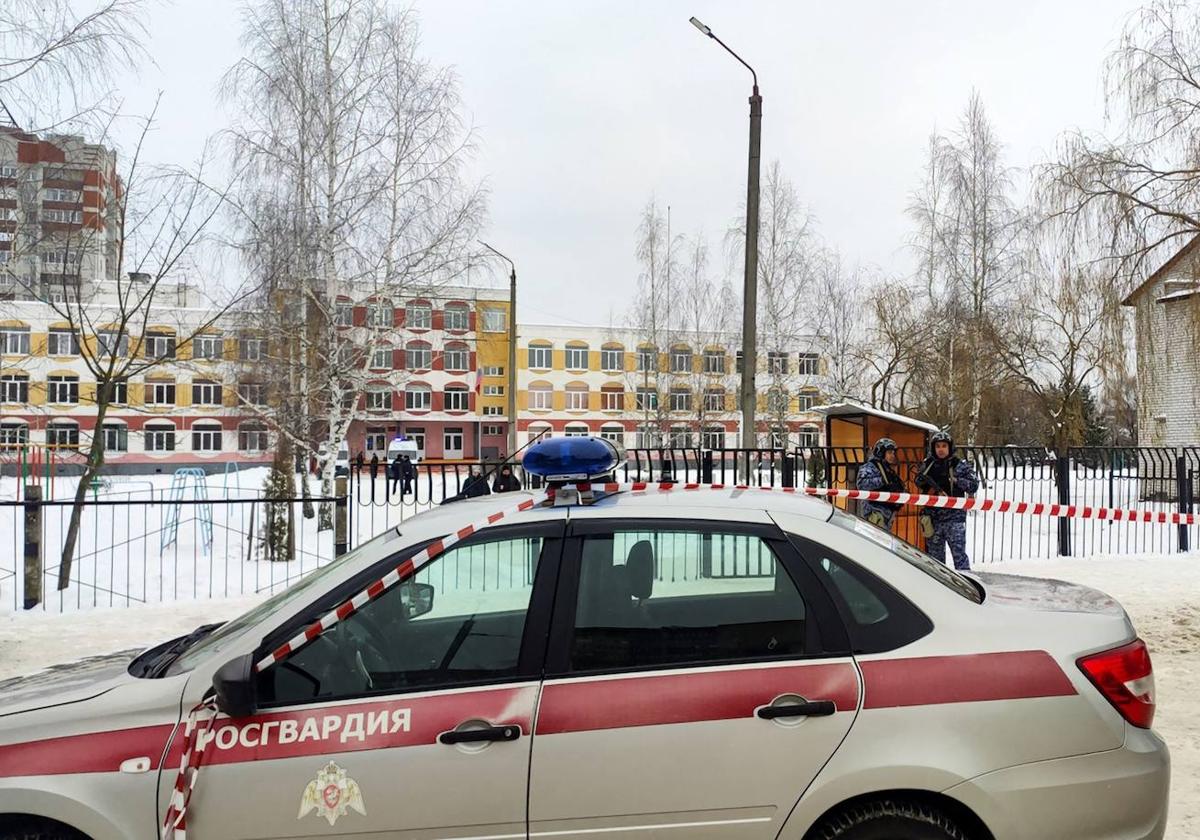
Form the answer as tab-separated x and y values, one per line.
661	699
927	681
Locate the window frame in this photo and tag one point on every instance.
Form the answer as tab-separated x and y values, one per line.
535	355
203	431
532	649
834	639
462	398
455	312
456	357
571	355
607	355
160	432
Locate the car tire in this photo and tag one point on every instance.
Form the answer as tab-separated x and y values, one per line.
889	819
35	829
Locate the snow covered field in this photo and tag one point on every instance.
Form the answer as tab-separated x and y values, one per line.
1161	593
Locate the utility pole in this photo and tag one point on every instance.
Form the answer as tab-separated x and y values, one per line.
750	279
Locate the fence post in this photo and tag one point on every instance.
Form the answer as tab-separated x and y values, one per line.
789	469
1062	474
341	531
706	467
1183	489
33	545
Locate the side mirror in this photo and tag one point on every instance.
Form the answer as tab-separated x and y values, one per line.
233	685
417	598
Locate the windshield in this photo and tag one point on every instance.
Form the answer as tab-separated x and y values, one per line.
940	572
217	640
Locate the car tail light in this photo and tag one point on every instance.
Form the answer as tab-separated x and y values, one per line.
1126	679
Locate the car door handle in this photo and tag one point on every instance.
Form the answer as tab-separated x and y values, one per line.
814	708
507	732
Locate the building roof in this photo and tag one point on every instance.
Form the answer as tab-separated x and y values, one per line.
848	407
1163	270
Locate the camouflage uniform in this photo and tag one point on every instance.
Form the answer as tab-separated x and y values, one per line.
877	475
950	476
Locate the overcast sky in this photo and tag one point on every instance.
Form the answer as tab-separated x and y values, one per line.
584	110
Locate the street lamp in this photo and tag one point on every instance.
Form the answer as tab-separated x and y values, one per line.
750	281
512	349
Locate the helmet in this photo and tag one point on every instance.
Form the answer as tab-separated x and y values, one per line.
881	447
942	436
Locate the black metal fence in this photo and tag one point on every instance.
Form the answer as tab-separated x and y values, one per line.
146	547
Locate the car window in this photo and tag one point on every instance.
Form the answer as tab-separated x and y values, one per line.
667	598
459	620
940	572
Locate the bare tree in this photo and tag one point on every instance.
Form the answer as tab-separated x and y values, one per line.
356	196
56	56
968	240
841	324
705	312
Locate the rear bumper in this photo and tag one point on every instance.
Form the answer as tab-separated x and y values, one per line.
1115	795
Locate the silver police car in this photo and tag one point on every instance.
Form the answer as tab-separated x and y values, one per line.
710	664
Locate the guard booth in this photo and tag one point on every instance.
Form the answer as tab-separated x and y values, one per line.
851	430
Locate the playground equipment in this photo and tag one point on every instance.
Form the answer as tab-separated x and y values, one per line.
195	480
35	465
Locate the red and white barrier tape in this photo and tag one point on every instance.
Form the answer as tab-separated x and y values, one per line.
195	736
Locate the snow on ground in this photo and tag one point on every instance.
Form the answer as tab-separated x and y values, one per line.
1161	593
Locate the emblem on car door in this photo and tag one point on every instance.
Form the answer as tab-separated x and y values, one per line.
331	794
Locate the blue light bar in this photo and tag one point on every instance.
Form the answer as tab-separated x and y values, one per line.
571	458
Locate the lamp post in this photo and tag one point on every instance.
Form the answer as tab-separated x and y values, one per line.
512	350
750	281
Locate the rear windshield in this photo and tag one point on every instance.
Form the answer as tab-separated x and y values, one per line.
940	572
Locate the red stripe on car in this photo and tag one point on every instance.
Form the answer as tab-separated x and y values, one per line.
934	680
686	698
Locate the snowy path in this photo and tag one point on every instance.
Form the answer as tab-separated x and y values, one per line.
1161	593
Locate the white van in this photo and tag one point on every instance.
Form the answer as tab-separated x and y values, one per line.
403	446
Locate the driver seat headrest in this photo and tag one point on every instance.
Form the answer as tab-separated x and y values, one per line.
639	566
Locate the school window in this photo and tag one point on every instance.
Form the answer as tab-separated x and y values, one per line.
253	349
714	399
738	362
379	314
206	393
778	438
647	399
806	400
809	436
647	359
452	442
540	357
681	360
120	392
381	359
113	342
457	399
577	358
493	370
417	436
63	342
13	435
493	390
493	430
379	399
209	347
418	316
576	431
458	317
14	340
541	397
252	393
375	439
206	438
810	364
681	400
418	398
418	356
343	315
713	438
160	346
647	437
62	436
777	401
494	320
612	399
160	393
577	399
615	434
116	437
612	359
253	437
8	171
14	388
493	411
457	357
714	361
63	389
681	437
159	438
777	363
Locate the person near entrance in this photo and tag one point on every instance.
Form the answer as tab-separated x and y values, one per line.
943	473
881	473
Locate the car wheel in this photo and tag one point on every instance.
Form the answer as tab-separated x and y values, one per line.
35	829
889	819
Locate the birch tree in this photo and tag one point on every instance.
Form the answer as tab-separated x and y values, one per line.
355	149
705	311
